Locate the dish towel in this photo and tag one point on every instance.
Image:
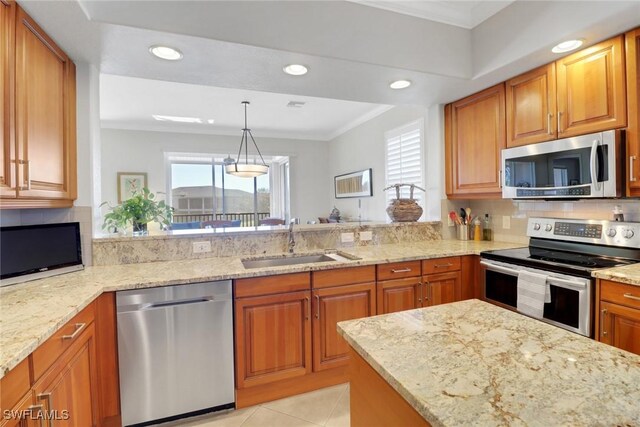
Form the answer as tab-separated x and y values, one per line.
533	293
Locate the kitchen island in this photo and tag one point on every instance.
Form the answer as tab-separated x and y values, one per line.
472	363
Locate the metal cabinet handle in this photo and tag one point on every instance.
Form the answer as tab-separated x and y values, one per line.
559	122
402	270
318	310
443	265
33	408
631	296
632	175
549	130
420	294
307	308
428	286
47	396
603	332
79	328
26	179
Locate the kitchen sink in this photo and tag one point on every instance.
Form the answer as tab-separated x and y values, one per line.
295	259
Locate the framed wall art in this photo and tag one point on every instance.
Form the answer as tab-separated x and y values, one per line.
129	183
354	184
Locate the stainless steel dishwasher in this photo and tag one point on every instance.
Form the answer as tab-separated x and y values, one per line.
175	349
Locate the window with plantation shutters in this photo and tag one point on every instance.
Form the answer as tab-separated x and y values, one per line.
404	160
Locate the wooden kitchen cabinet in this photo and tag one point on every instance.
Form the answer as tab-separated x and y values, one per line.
39	117
24	414
618	315
474	138
591	89
441	288
399	295
632	45
333	305
531	107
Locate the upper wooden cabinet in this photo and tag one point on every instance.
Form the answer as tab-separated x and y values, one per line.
531	107
39	128
591	89
632	43
474	138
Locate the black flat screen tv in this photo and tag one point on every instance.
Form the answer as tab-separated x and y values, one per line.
30	252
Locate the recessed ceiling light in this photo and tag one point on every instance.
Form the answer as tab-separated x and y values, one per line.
400	84
176	119
210	121
567	46
295	69
166	52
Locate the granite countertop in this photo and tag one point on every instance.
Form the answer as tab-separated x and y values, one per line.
32	312
627	274
472	363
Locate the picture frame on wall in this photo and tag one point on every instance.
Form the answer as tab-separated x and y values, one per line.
354	184
129	183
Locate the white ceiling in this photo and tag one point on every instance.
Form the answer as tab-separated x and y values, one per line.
129	103
465	14
353	51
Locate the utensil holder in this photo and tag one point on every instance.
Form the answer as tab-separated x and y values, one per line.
463	231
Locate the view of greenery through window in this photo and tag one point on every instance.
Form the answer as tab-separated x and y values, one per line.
204	192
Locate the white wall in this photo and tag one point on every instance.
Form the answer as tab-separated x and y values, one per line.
364	147
143	151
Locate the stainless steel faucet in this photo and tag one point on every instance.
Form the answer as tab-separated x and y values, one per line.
292	241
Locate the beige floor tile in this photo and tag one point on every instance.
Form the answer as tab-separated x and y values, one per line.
315	406
230	418
264	417
340	415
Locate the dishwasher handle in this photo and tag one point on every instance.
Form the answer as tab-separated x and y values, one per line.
173	303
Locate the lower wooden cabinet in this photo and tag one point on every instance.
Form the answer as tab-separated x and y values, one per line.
273	338
399	295
24	414
333	305
441	288
620	326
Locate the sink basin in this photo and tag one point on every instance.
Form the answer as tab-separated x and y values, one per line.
280	260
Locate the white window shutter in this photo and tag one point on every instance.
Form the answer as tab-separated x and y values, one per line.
404	160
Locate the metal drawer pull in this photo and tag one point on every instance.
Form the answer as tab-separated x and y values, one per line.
428	297
549	130
402	270
318	311
602	331
632	175
38	408
307	308
47	396
420	297
444	265
631	296
559	122
28	177
79	328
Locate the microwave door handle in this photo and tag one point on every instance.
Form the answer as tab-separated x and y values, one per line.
594	165
491	266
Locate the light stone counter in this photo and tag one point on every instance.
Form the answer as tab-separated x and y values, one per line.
472	363
32	312
628	274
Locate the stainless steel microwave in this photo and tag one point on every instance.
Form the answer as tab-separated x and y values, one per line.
586	166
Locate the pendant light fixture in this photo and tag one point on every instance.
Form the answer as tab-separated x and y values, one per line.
246	170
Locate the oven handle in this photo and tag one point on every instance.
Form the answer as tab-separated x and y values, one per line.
552	279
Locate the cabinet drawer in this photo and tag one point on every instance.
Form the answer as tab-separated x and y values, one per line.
343	276
398	270
620	293
44	356
269	285
440	265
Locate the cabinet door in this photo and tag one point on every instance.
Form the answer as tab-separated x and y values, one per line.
591	89
7	57
442	288
474	138
531	107
69	389
45	115
23	414
399	295
273	338
632	43
333	305
620	326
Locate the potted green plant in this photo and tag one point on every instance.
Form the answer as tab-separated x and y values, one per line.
141	209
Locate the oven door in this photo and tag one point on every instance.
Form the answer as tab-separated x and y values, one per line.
571	297
578	167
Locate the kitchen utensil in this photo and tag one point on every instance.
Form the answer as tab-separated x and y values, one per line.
463	216
454	217
468	211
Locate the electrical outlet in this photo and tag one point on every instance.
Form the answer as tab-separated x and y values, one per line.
365	236
347	238
201	247
506	222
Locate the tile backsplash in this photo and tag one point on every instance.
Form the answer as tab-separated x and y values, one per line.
520	211
81	214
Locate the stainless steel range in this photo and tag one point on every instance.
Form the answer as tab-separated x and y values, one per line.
566	251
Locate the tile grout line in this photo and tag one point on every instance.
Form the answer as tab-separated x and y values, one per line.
335	405
288	415
255	408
